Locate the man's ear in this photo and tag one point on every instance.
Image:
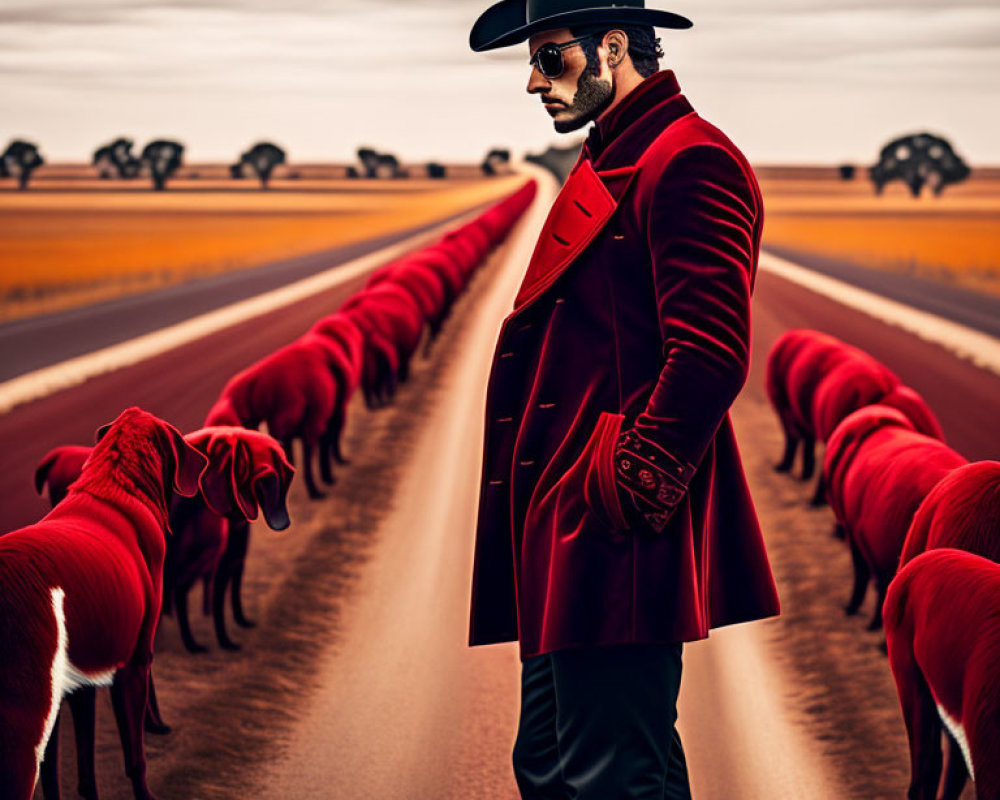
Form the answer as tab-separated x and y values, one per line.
616	43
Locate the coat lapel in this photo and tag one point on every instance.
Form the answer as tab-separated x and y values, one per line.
587	201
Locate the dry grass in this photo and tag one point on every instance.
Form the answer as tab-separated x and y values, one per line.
60	249
954	238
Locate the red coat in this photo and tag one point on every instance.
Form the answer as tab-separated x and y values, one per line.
634	315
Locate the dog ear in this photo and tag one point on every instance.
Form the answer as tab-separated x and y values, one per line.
189	463
102	431
215	480
242	481
271	492
43	469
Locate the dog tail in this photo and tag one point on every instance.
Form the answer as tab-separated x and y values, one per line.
44	468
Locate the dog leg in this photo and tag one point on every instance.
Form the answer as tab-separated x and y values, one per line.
861	577
206	595
288	445
881	586
955	771
50	765
18	770
808	457
788	457
184	621
819	496
307	463
220	583
391	386
154	719
129	696
335	431
240	530
325	458
82	704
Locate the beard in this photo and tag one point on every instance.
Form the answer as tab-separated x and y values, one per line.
592	96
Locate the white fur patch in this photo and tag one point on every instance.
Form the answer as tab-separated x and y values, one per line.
58	673
64	677
958	733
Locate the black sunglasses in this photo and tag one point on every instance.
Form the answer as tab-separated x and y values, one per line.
549	58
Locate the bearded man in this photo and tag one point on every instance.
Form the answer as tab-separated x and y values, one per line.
614	521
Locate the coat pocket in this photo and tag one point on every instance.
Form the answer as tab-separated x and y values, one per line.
600	488
585	489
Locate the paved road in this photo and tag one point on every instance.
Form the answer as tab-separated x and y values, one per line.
37	342
977	310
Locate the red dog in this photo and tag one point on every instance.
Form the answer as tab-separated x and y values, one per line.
961	511
793	376
916	409
381	359
299	391
82	590
392	309
884	484
942	627
855	381
424	284
245	469
847	437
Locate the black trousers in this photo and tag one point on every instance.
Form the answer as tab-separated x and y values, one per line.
598	724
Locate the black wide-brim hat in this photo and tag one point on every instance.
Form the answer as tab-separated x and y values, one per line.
513	21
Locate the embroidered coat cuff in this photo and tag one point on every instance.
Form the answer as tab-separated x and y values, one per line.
653	480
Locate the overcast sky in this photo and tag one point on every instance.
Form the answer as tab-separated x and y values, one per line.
788	80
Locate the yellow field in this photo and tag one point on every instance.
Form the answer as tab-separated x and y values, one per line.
61	248
954	238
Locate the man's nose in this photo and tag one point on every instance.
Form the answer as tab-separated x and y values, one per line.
537	83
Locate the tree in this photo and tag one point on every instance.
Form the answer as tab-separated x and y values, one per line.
435	170
494	159
380	165
846	172
369	160
262	158
19	160
916	159
163	157
117	156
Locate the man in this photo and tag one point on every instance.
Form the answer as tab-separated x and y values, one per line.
614	520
